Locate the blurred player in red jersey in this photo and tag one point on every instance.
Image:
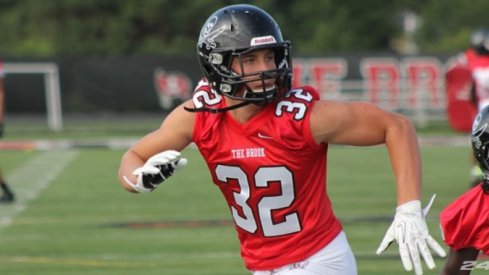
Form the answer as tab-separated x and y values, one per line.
266	146
465	222
467	82
7	195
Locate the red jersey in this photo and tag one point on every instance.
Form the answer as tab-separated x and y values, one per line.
478	64
465	222
272	174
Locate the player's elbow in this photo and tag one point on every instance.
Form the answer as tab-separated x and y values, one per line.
405	124
401	126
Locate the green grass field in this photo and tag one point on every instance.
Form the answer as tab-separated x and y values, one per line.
72	217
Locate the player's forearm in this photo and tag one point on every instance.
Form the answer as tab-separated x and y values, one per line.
129	162
405	158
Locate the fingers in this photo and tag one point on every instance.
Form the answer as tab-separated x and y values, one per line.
410	231
180	163
435	246
388	239
383	246
405	257
157	169
423	248
405	246
415	259
136	187
146	169
164	158
426	253
171	157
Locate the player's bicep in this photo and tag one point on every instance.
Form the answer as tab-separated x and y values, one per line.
175	133
178	127
350	123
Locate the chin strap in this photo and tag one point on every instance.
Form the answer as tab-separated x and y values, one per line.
216	111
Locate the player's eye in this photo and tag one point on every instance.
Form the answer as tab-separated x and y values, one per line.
248	60
270	57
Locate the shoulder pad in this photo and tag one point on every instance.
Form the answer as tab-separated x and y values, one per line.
312	91
204	95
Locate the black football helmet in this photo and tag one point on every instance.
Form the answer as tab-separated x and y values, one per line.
480	144
479	40
232	32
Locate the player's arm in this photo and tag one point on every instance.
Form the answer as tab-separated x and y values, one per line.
364	124
174	134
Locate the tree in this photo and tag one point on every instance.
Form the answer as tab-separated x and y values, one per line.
123	27
447	24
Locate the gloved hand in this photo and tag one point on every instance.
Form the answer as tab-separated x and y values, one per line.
156	170
410	231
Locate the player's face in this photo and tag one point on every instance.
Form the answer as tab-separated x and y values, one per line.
255	62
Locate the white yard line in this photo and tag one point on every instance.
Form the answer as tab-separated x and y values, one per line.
29	179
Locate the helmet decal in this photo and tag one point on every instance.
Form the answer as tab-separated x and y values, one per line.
476	134
208	33
257	41
478	129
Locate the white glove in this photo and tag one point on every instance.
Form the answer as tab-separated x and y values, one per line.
410	231
156	170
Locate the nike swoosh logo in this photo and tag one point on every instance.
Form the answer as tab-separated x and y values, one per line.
402	227
260	135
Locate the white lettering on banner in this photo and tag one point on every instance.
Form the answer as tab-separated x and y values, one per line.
406	83
382	80
423	76
413	85
325	74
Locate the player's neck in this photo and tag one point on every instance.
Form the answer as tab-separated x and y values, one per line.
245	113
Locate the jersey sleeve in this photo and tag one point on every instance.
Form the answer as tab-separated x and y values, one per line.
205	97
465	222
297	108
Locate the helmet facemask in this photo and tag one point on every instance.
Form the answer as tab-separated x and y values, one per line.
236	84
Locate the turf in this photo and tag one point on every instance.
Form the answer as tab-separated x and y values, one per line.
83	222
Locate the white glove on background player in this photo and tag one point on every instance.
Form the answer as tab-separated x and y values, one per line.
156	170
410	231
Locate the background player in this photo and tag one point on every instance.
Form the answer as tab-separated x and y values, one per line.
465	222
266	144
467	82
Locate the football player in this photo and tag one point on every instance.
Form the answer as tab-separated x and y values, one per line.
266	143
467	85
465	222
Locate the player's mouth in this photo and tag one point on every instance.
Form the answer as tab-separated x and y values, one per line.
267	89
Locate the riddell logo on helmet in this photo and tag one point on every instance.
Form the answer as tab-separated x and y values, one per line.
263	40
